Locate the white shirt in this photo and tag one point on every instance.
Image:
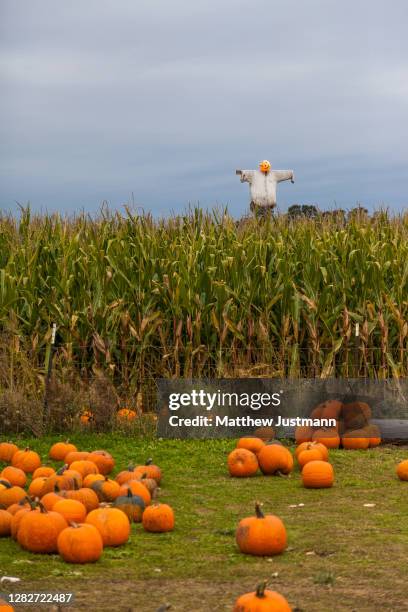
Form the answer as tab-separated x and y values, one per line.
262	186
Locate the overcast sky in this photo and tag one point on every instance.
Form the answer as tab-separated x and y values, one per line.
164	100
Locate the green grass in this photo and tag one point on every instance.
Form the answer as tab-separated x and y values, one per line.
341	555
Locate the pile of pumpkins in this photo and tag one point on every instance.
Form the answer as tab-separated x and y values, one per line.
78	509
353	429
273	458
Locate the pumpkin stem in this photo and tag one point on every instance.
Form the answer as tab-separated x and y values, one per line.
260	589
6	484
258	510
41	506
73	524
149	461
62	469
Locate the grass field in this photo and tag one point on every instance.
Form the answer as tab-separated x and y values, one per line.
342	555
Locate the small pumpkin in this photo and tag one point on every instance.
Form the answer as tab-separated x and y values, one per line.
242	463
91	478
39	530
151	470
64	478
7	450
149	483
103	461
84	467
36	487
86	417
85	495
5	523
132	505
137	488
318	475
158	518
126	414
71	510
261	535
355	440
252	444
27	460
112	524
126	475
262	600
402	470
374	435
76	456
17	517
5	607
14	475
107	490
312	454
50	499
11	495
80	543
60	450
275	459
328	436
43	470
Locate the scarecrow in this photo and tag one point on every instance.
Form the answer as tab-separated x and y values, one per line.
262	185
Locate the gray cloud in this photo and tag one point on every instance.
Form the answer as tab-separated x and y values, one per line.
101	99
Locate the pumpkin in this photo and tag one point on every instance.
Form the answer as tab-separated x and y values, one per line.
39	530
50	499
151	470
265	433
91	478
27	460
252	444
374	435
7	450
112	524
355	440
86	496
16	519
275	459
132	505
317	475
242	463
126	475
4	484
126	414
60	450
5	607
36	487
356	415
262	600
14	475
84	467
5	523
331	409
402	470
80	543
43	470
313	454
76	456
71	510
149	483
264	166
11	495
103	461
313	445
327	436
158	518
261	535
303	434
137	488
107	490
86	417
64	479
14	508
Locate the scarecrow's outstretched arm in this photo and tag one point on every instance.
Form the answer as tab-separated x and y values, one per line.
284	175
246	175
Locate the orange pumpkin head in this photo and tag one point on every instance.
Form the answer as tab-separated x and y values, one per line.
252	444
318	475
264	166
112	524
242	463
261	535
80	543
275	459
262	600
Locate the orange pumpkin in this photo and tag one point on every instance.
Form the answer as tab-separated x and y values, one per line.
261	535
64	479
252	444
327	436
242	463
60	450
126	475
27	460
374	435
132	505
318	475
303	434
36	487
158	518
107	490
112	524
275	459
14	508
50	499
331	409
71	510
126	414
262	600
76	456
402	470
151	470
80	544
312	454
5	607
149	483
39	530
355	440
91	478
14	475
5	523
86	496
43	470
84	467
86	417
7	450
11	495
16	519
137	488
103	461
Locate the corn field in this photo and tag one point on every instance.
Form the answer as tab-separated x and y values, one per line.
201	295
